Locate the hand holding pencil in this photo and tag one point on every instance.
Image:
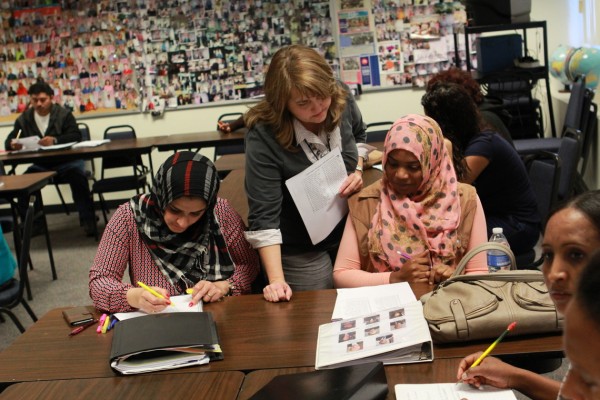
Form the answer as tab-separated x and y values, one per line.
148	299
478	369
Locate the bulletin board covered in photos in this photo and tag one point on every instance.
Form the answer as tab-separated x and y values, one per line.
398	42
112	55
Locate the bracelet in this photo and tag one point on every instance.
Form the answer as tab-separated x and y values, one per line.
359	168
231	288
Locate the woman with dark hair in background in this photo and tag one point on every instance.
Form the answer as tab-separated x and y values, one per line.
488	162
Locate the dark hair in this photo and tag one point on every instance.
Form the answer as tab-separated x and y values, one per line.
587	203
451	106
587	295
462	78
41	87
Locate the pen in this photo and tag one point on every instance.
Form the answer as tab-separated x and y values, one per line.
152	291
404	255
18	135
101	323
489	349
81	328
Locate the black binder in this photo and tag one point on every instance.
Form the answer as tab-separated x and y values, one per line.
356	382
164	341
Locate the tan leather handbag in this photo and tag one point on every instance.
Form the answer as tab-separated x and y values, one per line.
470	307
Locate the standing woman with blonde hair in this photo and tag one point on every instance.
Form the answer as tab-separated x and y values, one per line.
305	114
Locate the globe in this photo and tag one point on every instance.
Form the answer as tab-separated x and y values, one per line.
584	61
557	63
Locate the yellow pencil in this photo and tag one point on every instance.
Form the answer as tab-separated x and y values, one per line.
493	345
152	291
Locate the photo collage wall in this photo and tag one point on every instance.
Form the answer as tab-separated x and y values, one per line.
113	55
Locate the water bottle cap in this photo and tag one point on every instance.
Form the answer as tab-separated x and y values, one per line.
497	230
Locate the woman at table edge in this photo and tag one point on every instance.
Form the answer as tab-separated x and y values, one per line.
571	236
179	236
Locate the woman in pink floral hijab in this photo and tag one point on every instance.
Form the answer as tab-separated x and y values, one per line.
417	222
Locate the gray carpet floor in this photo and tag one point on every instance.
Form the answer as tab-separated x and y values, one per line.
73	256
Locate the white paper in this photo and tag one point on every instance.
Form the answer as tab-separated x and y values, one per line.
29	143
315	193
90	143
392	336
178	304
450	391
371	299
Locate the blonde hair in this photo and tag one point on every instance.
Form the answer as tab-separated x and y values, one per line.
301	68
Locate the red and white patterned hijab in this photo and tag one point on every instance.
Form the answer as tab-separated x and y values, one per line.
198	253
429	218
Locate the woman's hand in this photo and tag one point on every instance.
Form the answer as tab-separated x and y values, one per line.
224	126
416	269
352	184
440	273
491	372
209	292
146	301
277	291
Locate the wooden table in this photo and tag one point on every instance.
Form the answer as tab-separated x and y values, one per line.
232	189
198	140
439	371
254	334
21	187
209	385
115	147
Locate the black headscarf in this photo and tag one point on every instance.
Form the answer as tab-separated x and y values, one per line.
198	253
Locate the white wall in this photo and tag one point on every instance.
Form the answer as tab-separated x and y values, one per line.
375	106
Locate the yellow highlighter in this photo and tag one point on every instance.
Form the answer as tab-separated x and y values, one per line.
189	290
152	291
106	323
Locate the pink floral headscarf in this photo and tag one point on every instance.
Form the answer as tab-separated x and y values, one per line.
408	225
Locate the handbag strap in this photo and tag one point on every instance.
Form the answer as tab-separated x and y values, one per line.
484	247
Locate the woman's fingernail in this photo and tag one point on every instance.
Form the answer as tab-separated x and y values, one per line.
464	376
191	304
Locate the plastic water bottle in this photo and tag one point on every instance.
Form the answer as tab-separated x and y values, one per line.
498	260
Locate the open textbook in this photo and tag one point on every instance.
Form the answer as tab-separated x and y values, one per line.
398	335
451	391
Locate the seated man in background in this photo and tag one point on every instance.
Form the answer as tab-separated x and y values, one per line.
54	124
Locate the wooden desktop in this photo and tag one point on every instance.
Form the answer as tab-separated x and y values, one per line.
254	335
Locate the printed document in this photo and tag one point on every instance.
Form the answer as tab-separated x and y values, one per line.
450	391
90	143
369	299
315	193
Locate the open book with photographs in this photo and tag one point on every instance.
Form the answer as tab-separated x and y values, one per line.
397	335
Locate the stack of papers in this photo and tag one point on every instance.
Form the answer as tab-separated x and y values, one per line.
31	143
164	341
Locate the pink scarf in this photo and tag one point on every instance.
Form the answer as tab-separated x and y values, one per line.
408	225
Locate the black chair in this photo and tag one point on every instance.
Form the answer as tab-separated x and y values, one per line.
136	180
226	149
569	154
11	292
376	131
544	170
90	174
